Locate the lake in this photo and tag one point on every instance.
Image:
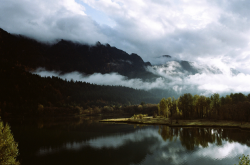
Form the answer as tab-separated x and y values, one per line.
85	140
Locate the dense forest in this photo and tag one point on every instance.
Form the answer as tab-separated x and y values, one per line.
231	107
23	92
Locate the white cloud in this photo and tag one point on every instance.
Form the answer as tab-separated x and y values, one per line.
105	79
184	29
49	20
189	30
214	77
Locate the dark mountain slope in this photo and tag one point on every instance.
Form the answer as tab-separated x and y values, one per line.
21	92
66	56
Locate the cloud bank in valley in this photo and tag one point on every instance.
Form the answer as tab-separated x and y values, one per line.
104	79
209	79
215	77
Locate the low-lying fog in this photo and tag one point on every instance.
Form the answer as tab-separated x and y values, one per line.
204	79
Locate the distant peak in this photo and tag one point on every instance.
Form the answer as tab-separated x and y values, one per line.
62	41
148	63
98	43
167	56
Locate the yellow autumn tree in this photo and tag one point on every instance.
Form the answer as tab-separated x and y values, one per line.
8	147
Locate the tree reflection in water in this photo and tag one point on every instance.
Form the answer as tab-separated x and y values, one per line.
195	137
84	139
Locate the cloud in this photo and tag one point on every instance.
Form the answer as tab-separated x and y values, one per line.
226	150
49	20
206	32
215	77
105	79
184	29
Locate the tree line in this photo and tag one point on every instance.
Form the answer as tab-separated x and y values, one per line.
22	92
230	107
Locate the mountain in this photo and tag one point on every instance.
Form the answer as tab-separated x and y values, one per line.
66	56
22	92
180	68
165	79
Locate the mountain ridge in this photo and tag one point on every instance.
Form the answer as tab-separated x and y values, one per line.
67	56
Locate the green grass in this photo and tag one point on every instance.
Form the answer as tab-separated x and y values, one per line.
141	119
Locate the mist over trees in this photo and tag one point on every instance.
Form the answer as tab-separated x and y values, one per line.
26	93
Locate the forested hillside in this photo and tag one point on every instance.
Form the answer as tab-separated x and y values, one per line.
22	92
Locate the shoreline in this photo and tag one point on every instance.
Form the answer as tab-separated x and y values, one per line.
182	123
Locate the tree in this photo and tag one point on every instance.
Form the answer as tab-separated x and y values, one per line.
248	97
244	160
238	97
216	103
245	111
208	106
159	109
8	147
202	103
223	100
195	105
228	100
170	105
185	104
163	107
175	110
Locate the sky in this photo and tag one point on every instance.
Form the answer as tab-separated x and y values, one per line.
192	30
214	33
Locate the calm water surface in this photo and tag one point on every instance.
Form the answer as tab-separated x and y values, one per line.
74	141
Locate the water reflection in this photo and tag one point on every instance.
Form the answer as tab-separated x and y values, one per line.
171	145
194	137
110	142
86	141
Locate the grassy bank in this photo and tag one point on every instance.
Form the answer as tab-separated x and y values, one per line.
182	123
